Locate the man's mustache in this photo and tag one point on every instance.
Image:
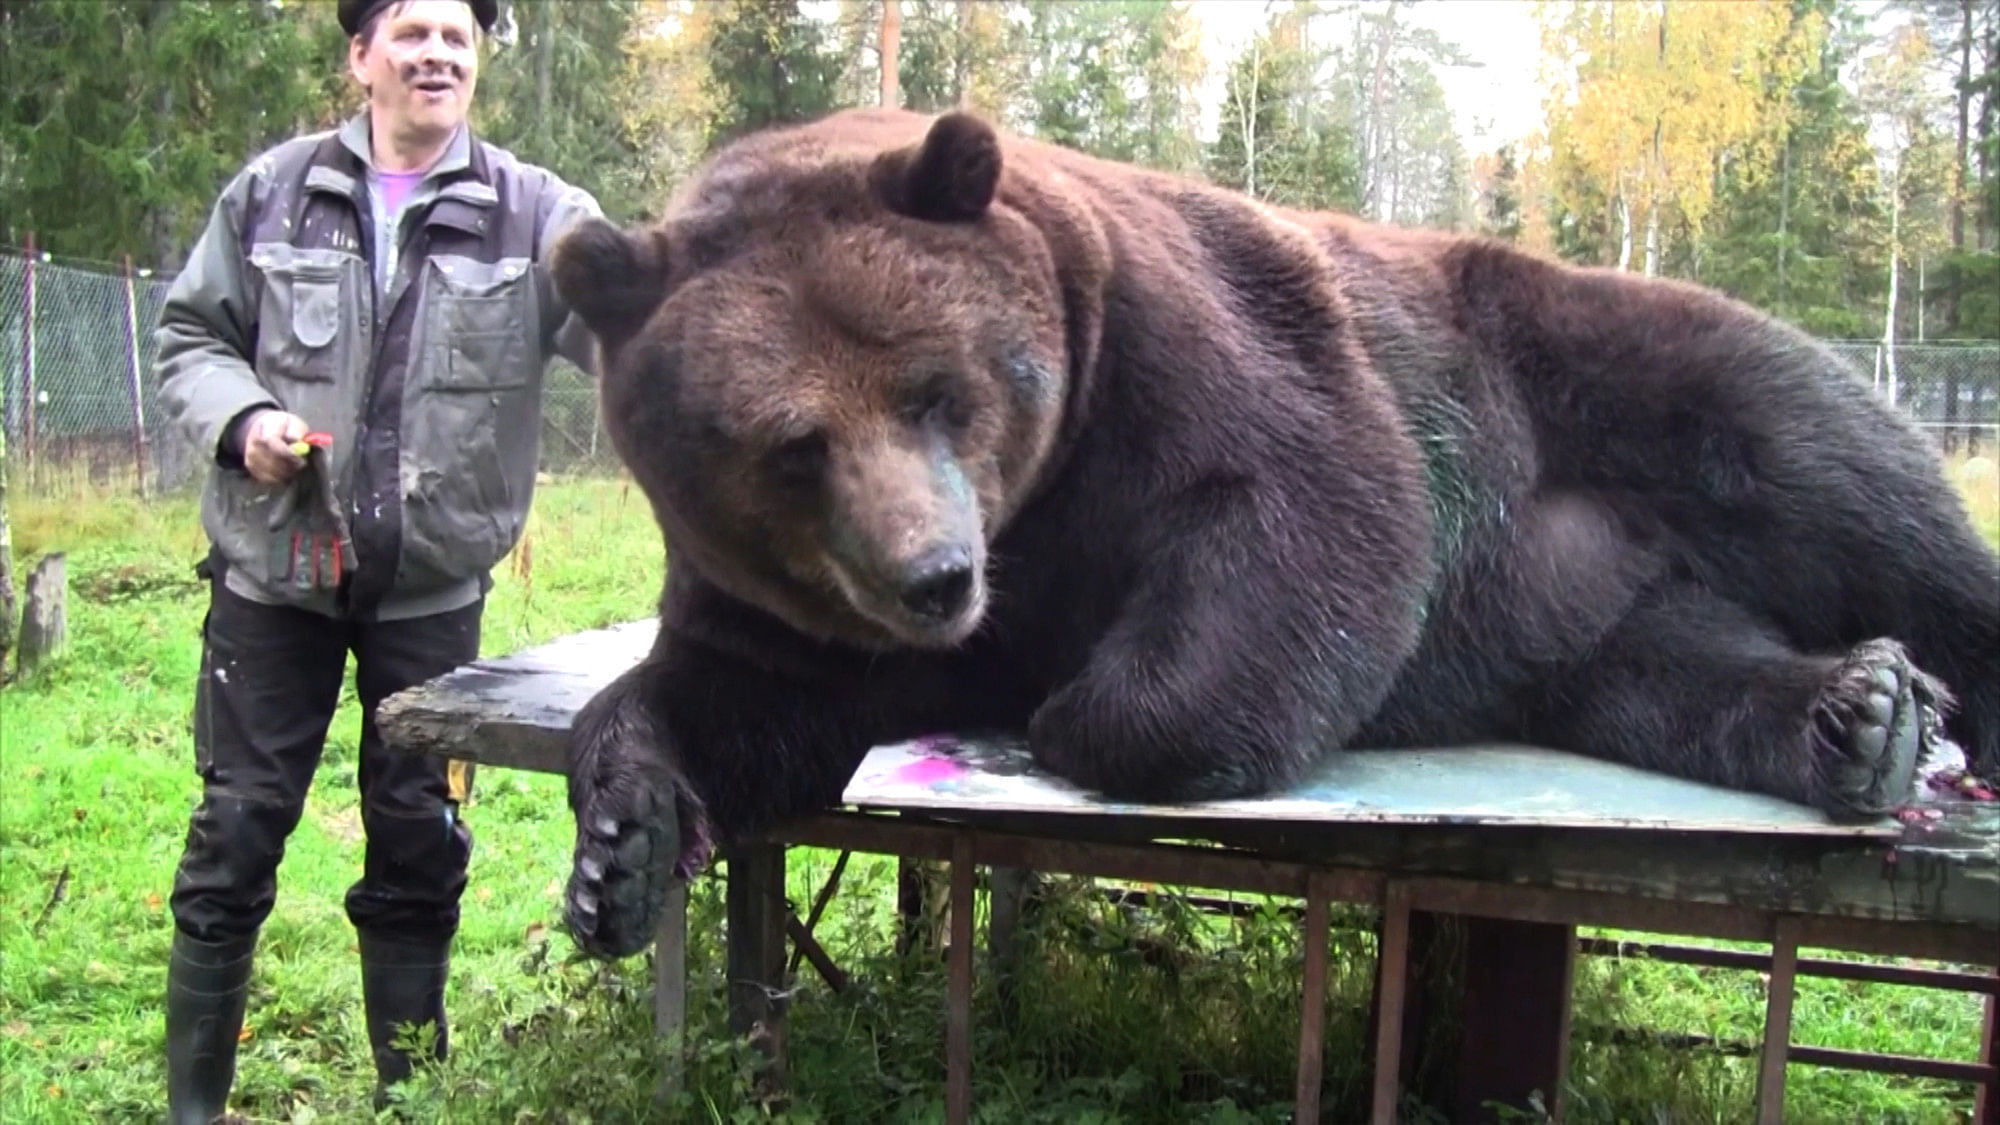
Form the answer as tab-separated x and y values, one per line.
413	74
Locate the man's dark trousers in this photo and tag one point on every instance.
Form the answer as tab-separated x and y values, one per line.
269	685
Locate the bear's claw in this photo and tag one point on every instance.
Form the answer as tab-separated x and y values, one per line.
624	860
1872	726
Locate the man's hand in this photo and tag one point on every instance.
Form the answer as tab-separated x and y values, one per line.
268	436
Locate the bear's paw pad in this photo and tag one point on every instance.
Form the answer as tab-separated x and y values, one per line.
1872	725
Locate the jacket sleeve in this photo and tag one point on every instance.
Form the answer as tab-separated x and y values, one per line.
564	205
206	334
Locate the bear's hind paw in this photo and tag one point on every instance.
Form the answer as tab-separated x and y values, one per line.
1871	728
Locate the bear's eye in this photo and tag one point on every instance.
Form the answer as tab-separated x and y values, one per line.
935	403
799	461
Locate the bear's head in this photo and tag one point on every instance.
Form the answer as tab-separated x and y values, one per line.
837	366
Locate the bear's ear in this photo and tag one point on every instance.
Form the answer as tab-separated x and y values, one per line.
949	178
611	278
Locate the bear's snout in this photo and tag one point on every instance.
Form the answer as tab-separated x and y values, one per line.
937	585
903	540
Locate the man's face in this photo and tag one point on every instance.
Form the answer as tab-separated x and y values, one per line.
420	65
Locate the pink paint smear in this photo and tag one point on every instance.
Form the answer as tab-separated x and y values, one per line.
933	769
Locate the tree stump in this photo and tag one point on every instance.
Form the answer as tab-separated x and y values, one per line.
44	613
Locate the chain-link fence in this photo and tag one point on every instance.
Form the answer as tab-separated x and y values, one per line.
1950	390
76	365
81	400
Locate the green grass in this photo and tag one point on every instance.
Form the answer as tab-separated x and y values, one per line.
1121	1015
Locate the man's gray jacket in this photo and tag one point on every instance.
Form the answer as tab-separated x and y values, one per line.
424	362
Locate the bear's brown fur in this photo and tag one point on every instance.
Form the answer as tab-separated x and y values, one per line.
950	429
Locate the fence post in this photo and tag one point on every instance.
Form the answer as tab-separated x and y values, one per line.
28	367
138	391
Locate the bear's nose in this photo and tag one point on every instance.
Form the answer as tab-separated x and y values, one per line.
939	583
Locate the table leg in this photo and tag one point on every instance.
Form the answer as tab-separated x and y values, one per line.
1477	1015
1392	972
670	985
756	960
1008	890
1778	1023
958	1003
921	893
1986	1103
1515	1015
1312	1007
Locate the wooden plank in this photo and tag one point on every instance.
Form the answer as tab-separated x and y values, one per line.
756	954
1312	999
1778	1023
670	985
1170	864
1908	938
1915	1066
1985	984
1392	975
1673	884
1986	1104
514	710
958	1002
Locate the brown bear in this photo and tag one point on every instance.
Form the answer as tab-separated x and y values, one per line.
947	429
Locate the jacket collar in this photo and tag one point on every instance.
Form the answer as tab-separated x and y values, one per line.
344	158
355	133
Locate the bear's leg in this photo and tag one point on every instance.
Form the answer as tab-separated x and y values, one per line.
1229	668
635	829
1693	685
1854	538
653	785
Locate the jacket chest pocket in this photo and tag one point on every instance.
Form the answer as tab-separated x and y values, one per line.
479	322
308	312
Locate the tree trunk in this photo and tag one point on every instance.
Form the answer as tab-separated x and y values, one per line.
166	252
892	41
545	49
1653	241
961	61
1624	233
1989	238
1658	172
1922	261
7	605
1246	120
1954	274
1895	272
1385	34
1784	216
1964	122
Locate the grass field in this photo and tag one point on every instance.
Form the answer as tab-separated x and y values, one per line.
96	782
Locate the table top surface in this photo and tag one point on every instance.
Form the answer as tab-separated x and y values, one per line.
515	711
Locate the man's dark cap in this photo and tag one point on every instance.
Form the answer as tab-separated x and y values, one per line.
354	13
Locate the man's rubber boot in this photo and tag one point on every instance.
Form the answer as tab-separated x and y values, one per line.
402	982
207	988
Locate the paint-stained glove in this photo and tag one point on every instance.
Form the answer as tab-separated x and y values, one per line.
320	551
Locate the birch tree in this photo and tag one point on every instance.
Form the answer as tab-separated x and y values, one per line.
1646	98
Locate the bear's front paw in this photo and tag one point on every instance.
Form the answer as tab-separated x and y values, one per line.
1128	748
1872	726
636	832
626	846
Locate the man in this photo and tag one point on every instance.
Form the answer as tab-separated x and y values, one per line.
380	288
